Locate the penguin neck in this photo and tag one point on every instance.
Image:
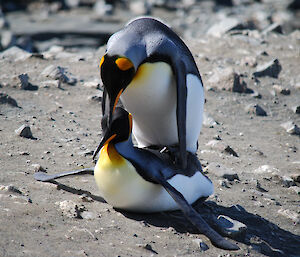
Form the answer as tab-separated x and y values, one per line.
125	148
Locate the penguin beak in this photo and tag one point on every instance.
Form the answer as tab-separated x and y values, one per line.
105	140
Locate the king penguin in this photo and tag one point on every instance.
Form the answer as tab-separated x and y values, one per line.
154	74
135	179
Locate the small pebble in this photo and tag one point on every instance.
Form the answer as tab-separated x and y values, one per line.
291	128
199	243
38	167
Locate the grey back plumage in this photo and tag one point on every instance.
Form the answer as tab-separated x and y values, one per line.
147	39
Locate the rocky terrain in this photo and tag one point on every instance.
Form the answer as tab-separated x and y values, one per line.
248	53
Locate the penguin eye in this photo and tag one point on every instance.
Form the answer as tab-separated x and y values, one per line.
124	63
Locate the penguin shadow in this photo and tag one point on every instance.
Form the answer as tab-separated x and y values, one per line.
261	235
75	191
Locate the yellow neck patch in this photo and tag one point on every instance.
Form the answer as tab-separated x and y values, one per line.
124	63
110	156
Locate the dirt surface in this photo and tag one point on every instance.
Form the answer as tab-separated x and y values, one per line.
65	124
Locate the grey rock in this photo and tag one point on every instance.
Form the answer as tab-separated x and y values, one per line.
24	81
287	181
296	109
290	215
227	79
60	74
208	121
225	25
275	27
101	8
92	84
249	61
221	171
8	39
37	167
50	83
266	169
270	69
230	227
72	3
202	245
15	54
24	131
96	98
296	177
295	189
6	99
222	147
71	209
255	109
291	128
140	7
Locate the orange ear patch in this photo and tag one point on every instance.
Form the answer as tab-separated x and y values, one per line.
124	63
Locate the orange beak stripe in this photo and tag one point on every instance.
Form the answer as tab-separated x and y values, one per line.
130	122
111	138
124	63
117	99
101	61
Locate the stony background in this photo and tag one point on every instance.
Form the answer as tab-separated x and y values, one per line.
248	53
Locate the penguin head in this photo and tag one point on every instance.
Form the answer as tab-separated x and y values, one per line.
116	73
119	130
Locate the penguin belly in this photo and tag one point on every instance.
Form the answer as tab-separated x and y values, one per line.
122	187
151	97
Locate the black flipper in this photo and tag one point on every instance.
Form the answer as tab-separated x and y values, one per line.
195	218
44	177
180	72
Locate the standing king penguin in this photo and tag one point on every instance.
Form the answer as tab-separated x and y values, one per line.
137	180
154	74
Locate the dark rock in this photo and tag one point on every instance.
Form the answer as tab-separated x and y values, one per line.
270	69
229	150
6	99
280	90
24	82
255	109
24	131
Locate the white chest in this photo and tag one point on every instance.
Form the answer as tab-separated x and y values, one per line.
152	99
